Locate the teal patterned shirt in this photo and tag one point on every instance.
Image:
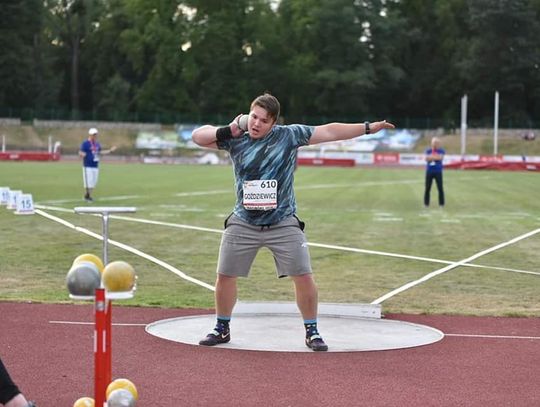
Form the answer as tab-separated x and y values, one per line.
271	158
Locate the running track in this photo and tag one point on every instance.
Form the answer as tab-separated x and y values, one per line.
53	364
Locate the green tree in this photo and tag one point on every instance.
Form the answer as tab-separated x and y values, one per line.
114	98
69	23
430	39
26	77
217	54
504	45
153	46
337	59
340	61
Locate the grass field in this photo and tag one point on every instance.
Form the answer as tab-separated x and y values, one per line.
369	209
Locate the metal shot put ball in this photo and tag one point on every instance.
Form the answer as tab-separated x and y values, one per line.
243	122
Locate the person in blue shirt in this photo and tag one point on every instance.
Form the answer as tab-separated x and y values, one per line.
263	154
90	151
434	170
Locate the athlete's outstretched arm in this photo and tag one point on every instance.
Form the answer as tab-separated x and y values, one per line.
345	131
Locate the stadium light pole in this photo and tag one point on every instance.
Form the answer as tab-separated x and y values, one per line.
463	125
496	124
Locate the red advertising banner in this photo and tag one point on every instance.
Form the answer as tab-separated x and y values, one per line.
386	158
29	156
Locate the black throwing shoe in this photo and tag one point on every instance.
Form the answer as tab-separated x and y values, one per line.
215	338
316	343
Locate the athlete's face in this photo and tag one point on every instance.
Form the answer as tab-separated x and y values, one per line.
260	122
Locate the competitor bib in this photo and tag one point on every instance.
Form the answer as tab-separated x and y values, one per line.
260	195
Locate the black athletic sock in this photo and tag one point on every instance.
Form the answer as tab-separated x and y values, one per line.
311	327
222	324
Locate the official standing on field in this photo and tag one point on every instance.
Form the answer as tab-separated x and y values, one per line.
90	152
434	170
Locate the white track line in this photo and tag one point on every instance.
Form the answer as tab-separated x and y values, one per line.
358	184
534	273
452	266
494	336
110	198
330	186
174	225
451	335
405	256
92	323
202	193
326	246
316	186
118	198
54	208
374	183
129	249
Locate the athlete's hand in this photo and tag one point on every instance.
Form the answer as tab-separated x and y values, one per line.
235	128
378	126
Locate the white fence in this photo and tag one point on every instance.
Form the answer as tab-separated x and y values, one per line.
97	124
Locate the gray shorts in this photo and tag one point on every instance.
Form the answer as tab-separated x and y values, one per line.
241	242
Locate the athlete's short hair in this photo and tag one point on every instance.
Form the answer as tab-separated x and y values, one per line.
269	103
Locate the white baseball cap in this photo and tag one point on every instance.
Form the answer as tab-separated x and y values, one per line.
92	131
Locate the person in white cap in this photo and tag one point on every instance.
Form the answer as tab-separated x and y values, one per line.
90	152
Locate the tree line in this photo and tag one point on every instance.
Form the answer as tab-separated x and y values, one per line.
170	60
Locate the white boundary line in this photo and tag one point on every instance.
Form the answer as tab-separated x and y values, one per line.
316	186
174	225
326	246
110	198
452	266
92	323
404	256
358	184
494	336
450	335
202	193
129	249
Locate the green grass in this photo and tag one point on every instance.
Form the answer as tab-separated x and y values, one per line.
366	208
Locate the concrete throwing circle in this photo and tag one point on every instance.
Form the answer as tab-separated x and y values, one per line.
284	332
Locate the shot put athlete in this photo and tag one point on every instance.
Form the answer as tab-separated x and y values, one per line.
264	159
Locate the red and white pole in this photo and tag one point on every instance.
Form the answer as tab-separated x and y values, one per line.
100	348
108	344
103	313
